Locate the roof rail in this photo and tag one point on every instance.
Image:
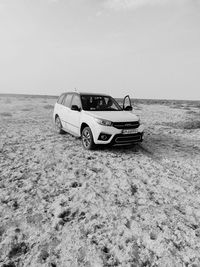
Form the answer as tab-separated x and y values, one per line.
76	90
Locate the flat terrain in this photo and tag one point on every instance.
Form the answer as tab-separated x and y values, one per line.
63	206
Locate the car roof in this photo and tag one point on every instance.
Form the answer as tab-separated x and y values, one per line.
86	93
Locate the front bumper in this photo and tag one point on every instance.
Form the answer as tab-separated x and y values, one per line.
117	137
128	139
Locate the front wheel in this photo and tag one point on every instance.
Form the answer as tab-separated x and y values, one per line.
87	139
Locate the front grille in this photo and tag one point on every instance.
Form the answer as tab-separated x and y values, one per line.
127	139
126	125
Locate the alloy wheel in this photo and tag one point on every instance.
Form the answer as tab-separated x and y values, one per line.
86	138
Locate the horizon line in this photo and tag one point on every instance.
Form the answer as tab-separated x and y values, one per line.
55	96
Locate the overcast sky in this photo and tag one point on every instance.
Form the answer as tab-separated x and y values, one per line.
146	48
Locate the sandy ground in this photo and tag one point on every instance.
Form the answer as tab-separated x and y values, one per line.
63	206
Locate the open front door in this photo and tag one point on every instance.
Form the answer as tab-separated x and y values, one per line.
127	103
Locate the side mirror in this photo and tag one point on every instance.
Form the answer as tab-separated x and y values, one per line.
75	108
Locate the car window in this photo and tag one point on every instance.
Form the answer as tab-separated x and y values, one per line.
76	101
60	99
67	100
99	103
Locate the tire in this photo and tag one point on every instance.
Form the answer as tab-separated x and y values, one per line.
58	125
87	139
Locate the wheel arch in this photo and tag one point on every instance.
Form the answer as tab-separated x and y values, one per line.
90	125
83	125
91	144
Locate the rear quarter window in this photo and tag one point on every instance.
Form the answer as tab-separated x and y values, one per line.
60	99
76	101
67	100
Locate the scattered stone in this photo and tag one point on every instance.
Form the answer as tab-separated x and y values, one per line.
43	255
105	250
197	232
15	205
81	216
18	249
17	230
76	184
2	230
65	215
153	235
9	264
133	189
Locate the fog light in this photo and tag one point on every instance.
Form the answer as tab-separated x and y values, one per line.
104	137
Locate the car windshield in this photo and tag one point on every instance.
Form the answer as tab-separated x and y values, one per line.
99	103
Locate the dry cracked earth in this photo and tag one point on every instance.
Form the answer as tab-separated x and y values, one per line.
63	206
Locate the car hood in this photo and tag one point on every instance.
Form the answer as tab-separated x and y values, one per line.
114	116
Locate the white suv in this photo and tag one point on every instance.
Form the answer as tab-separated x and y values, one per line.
97	119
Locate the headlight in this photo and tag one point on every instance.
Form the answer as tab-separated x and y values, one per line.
104	122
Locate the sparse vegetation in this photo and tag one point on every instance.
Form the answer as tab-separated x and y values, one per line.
181	106
5	114
8	101
48	106
192	112
195	124
18	249
196	105
26	109
187	125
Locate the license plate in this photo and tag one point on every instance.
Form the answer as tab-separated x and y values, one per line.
129	131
